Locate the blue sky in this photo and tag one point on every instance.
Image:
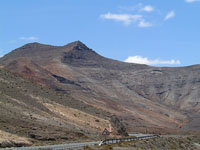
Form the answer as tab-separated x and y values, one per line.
158	33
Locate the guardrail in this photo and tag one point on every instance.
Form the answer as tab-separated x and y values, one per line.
111	141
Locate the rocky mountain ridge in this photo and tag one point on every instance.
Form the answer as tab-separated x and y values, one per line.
144	98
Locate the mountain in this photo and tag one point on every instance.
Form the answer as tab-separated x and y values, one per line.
143	98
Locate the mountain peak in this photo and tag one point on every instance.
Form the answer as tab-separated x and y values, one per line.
77	45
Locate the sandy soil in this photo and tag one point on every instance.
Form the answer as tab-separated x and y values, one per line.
7	139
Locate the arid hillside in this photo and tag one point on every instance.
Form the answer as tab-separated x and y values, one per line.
144	98
31	114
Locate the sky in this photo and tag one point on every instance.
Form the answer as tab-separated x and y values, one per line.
153	32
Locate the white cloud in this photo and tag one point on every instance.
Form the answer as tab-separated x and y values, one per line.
127	19
170	15
31	38
147	8
191	1
145	60
144	24
139	7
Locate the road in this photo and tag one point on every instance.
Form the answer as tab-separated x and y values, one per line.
67	146
55	147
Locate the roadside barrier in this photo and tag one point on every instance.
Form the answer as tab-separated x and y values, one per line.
111	141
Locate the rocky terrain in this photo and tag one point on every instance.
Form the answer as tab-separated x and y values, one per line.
63	92
31	114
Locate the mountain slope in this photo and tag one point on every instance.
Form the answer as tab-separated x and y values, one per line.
38	114
143	97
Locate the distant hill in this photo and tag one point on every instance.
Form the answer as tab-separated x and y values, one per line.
144	98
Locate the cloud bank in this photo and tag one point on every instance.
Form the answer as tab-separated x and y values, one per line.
141	17
127	19
145	60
